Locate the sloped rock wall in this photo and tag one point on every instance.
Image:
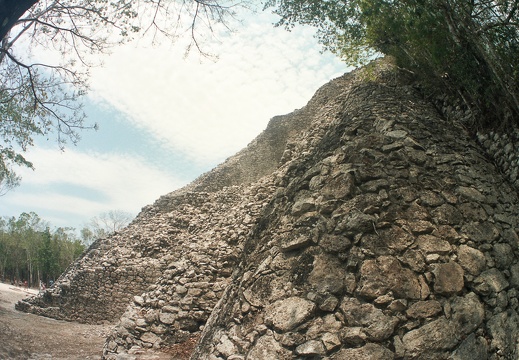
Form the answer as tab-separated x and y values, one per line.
364	226
98	287
180	302
503	148
176	308
394	238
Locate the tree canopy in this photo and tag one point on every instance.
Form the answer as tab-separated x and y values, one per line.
469	47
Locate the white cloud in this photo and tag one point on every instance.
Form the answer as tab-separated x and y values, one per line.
75	186
209	110
194	109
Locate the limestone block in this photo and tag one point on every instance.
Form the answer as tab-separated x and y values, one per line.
490	281
424	309
471	260
268	348
368	351
448	278
285	315
438	335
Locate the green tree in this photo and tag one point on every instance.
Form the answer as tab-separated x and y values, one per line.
47	257
67	247
468	47
30	251
43	98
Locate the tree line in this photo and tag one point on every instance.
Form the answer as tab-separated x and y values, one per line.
31	252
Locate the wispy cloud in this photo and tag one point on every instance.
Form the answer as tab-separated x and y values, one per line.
209	110
73	186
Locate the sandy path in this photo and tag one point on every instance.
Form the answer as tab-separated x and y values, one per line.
27	336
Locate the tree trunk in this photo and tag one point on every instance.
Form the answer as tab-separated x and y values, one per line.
10	12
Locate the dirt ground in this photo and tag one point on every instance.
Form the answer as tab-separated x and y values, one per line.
27	336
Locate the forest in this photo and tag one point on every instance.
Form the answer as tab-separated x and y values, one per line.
30	251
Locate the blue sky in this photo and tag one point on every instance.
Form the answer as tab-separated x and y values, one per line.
166	118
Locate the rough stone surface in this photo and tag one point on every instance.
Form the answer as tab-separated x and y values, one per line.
366	225
285	315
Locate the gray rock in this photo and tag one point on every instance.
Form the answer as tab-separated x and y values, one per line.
424	309
356	222
471	260
431	244
490	281
226	347
285	315
353	336
471	348
330	341
375	324
328	275
311	348
503	255
467	313
150	337
378	277
334	243
448	278
267	348
435	336
167	318
481	232
368	351
503	328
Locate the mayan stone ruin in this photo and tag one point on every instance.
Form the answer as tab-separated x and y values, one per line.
369	224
